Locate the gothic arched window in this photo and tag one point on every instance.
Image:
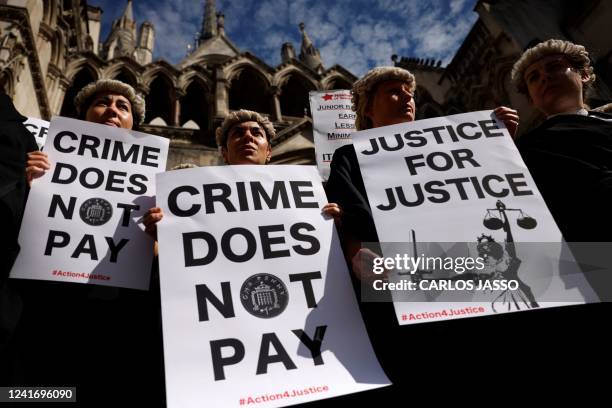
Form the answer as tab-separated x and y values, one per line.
82	78
339	83
159	101
294	96
127	77
248	90
195	107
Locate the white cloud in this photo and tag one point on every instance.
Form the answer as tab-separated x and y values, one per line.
271	13
172	32
357	34
298	11
238	14
441	40
405	9
274	40
346	53
456	6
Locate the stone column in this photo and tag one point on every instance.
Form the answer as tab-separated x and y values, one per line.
275	92
176	117
221	94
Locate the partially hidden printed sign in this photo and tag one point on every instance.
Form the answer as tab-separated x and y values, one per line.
457	212
333	121
39	129
82	221
257	304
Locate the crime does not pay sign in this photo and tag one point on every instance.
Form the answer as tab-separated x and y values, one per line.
257	304
82	219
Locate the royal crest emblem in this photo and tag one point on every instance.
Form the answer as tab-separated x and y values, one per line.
264	295
96	211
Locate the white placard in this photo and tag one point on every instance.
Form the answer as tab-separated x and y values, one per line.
39	129
333	121
257	305
437	185
82	221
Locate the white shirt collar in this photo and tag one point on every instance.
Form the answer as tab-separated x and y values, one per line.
581	111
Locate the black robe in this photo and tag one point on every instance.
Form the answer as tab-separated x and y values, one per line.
570	159
438	356
15	143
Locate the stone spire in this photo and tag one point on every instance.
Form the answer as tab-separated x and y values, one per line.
212	44
128	13
122	38
287	52
309	55
220	24
146	41
126	21
209	23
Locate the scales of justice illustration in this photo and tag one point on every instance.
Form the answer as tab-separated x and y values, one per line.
501	260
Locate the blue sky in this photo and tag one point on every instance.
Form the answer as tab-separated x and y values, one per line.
358	34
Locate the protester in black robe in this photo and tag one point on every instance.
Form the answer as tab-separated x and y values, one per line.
490	350
15	142
569	155
105	341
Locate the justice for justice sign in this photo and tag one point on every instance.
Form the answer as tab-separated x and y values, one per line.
257	304
333	121
460	179
82	219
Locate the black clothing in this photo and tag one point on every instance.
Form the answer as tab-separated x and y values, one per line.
105	341
434	355
15	143
345	187
570	159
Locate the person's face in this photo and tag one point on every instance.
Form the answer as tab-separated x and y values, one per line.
554	86
392	103
112	109
247	144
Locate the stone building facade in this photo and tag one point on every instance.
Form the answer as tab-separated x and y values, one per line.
49	49
478	77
